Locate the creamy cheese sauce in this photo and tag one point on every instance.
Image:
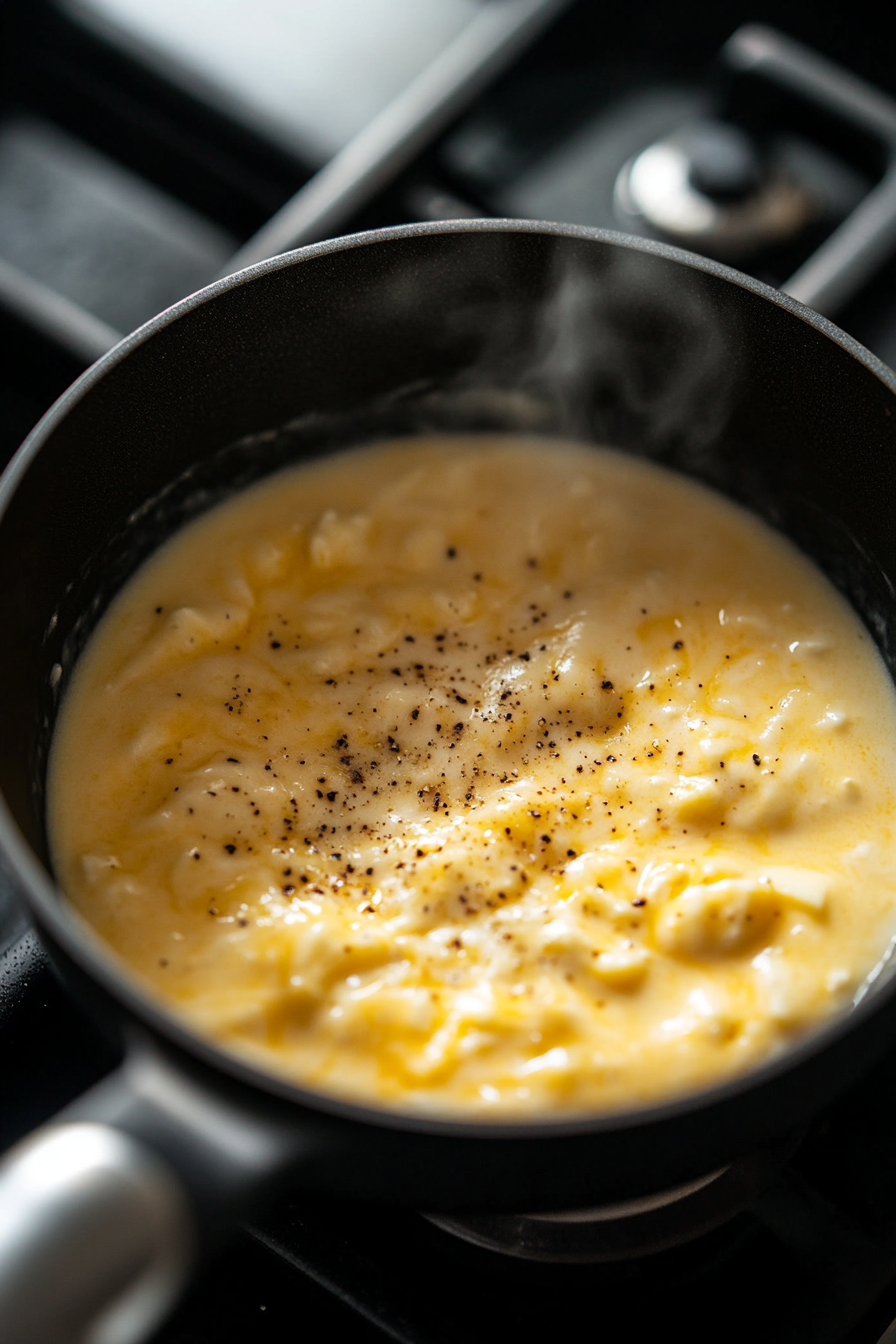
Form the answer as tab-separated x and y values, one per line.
484	775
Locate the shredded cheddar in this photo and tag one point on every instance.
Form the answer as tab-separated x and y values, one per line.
485	776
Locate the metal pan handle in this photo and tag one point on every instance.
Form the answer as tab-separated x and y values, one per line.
104	1211
96	1237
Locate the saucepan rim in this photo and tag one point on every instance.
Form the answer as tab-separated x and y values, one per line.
85	948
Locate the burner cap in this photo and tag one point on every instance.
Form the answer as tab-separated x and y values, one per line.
724	162
625	1231
707	187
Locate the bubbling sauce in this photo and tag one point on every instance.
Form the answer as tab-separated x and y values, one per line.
484	776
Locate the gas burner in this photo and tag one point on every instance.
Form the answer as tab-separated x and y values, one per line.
708	187
629	1229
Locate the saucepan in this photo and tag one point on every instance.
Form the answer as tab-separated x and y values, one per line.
467	325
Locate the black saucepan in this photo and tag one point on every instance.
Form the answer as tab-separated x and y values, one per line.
498	325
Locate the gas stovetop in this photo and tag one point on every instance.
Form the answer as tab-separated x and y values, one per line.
139	155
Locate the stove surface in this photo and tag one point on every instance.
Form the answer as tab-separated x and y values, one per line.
123	186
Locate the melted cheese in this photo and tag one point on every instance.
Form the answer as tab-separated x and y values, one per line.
484	776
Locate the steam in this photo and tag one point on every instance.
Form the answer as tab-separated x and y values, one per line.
596	342
635	350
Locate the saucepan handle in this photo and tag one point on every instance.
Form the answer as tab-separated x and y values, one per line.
96	1237
104	1211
